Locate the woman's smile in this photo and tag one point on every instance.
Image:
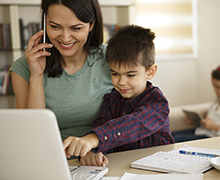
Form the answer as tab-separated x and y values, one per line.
66	46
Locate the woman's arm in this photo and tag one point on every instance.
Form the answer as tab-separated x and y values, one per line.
20	87
31	95
28	95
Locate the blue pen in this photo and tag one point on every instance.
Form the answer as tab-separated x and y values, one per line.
198	154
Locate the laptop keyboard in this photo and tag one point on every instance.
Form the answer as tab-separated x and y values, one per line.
81	176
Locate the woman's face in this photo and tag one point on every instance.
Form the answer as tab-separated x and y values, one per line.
66	32
216	86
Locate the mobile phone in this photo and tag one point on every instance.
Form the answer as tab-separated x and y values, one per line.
44	28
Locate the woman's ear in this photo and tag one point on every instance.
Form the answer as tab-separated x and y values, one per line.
151	71
92	25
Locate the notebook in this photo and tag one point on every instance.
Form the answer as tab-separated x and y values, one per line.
194	116
31	148
171	162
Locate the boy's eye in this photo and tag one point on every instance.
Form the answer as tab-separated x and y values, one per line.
114	74
131	75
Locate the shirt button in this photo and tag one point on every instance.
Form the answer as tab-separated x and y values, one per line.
124	113
105	138
119	134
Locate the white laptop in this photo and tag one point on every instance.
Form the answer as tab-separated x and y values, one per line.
31	148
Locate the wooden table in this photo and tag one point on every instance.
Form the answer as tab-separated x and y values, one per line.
120	161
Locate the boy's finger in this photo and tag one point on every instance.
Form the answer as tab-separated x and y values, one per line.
93	161
84	150
87	162
82	161
105	161
66	143
99	159
72	150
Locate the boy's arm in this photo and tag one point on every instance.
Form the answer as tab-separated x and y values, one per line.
79	146
146	120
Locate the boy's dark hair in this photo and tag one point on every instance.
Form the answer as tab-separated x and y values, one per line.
130	45
86	11
216	73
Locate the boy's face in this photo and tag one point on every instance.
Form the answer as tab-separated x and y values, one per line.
129	81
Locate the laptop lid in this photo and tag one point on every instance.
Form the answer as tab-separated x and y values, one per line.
31	146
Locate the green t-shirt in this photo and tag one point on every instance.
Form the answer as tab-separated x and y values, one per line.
75	99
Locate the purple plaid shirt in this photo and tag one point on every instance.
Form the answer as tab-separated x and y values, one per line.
125	124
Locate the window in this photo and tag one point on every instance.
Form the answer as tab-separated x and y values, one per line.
173	21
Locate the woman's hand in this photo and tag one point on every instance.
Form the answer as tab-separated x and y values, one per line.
92	159
75	146
209	124
35	55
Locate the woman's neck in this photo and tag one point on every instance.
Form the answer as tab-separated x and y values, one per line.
74	63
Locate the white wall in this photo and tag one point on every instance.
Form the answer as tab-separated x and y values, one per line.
189	81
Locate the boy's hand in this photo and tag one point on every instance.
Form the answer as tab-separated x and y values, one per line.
92	159
80	146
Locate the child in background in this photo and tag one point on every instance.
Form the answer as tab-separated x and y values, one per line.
135	114
210	126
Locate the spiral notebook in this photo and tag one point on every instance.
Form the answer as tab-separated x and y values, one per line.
170	162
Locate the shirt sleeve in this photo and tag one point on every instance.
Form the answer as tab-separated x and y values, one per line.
20	67
146	120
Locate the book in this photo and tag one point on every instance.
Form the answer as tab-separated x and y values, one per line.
109	30
174	162
4	82
194	116
21	26
5	36
27	30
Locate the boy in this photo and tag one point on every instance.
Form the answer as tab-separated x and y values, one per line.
135	114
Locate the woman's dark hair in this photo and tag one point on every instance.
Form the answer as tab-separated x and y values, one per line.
86	11
130	45
216	73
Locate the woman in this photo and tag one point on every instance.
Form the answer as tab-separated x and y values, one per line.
71	76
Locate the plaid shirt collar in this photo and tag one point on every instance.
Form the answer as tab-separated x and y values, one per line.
135	101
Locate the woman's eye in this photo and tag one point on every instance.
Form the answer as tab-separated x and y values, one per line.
76	28
54	27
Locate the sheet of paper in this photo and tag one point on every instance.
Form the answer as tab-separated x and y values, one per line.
110	178
195	149
130	176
